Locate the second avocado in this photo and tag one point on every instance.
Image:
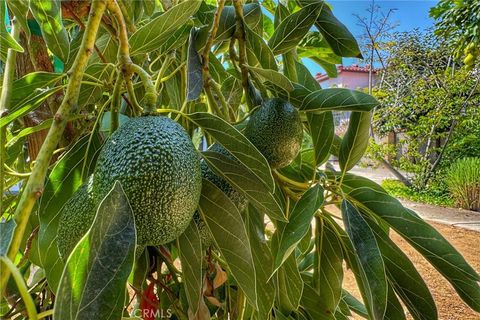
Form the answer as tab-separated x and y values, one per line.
276	130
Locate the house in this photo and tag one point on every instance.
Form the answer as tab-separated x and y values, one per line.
352	77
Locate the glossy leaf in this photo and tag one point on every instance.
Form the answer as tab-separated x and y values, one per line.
93	283
328	270
19	8
339	38
236	143
190	247
339	99
252	14
355	141
423	237
194	70
230	235
243	180
49	16
63	181
305	78
152	35
232	90
322	130
262	257
288	235
354	304
369	258
6	39
289	286
273	76
259	48
314	305
293	28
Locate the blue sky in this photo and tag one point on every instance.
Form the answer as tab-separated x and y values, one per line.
409	15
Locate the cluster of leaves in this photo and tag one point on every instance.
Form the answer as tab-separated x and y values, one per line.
291	268
457	22
399	190
430	101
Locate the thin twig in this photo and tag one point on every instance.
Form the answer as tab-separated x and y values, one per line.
242	49
208	45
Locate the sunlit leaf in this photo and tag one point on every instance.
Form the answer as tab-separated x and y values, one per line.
355	141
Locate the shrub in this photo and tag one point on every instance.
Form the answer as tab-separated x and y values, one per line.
433	196
463	180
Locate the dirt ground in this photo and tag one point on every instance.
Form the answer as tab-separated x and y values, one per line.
449	305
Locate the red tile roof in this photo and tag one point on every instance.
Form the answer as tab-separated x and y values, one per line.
352	68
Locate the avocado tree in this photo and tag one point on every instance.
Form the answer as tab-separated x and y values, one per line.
183	169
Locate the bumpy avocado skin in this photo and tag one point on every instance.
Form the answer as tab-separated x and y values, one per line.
76	217
237	198
159	169
276	130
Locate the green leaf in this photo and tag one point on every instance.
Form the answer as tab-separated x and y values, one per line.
394	309
341	40
194	70
305	78
232	90
369	258
6	234
236	143
252	15
176	40
423	237
246	182
152	35
190	247
354	304
273	76
289	286
93	283
230	235
322	130
288	235
257	46
292	29
28	105
339	99
355	141
91	94
404	278
314	305
6	39
19	9
49	16
328	270
64	179
263	260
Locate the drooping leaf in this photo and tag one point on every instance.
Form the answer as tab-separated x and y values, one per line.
93	283
305	78
369	259
243	180
355	141
354	304
423	237
263	260
273	76
62	182
194	70
252	14
232	90
394	309
230	235
293	28
288	235
338	99
20	9
152	35
314	305
257	46
6	39
92	93
322	130
49	16
328	270
341	40
289	286
236	143
176	40
190	247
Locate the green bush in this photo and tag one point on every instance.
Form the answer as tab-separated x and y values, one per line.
431	196
463	180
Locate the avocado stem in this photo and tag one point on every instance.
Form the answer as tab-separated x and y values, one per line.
150	91
34	186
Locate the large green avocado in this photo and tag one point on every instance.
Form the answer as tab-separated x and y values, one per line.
237	198
76	217
276	130
159	169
